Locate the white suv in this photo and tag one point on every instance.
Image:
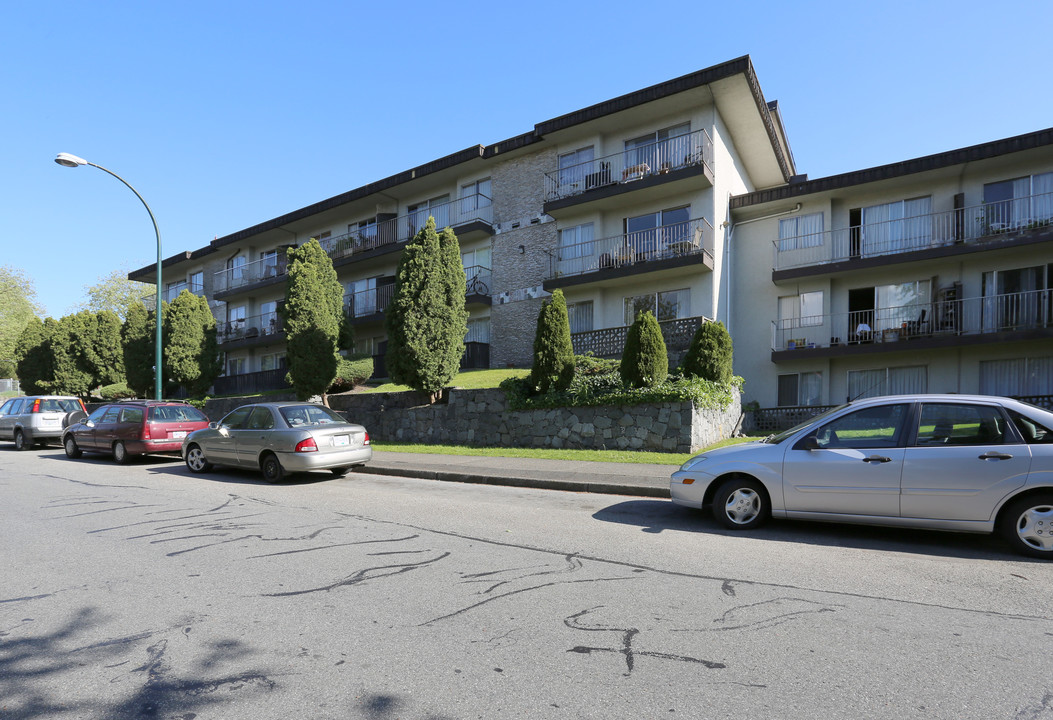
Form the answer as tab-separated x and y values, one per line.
38	418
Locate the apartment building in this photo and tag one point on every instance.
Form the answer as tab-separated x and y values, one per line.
928	275
683	199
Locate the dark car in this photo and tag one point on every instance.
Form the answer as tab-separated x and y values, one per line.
127	429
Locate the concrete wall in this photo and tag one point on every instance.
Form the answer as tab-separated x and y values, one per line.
482	418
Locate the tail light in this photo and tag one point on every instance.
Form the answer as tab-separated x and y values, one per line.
308	445
365	441
36	406
146	430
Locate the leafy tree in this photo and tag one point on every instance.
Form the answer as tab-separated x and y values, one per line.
645	360
115	292
553	367
312	313
137	342
35	366
74	372
426	320
18	304
104	352
191	351
711	354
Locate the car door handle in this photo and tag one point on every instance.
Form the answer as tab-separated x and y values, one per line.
993	455
877	458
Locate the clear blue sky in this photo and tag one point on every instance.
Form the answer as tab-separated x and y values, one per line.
226	114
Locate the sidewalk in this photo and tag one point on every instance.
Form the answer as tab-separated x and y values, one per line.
571	475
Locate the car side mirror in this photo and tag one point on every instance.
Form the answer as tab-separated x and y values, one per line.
213	425
88	423
811	442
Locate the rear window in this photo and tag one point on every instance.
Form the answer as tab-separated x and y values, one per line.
303	415
59	405
176	413
132	415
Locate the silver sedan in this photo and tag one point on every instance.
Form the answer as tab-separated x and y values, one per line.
945	462
279	438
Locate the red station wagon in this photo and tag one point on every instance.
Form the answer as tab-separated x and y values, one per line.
127	429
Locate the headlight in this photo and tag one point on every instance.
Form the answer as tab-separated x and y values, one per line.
692	462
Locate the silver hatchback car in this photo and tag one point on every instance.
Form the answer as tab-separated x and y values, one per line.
279	438
946	462
36	419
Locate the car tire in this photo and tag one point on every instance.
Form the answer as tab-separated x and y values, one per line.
741	503
272	468
1027	525
339	472
195	460
120	453
70	446
20	441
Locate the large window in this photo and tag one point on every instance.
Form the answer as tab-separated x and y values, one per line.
273	361
897	227
797	389
1017	299
197	283
475	195
236	366
663	149
804	310
801	232
649	235
363	295
668	305
1017	377
269	263
575	242
887	381
580	316
235	270
269	317
1018	202
236	318
573	167
478	330
437	207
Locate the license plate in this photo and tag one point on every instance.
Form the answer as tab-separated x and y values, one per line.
178	434
341	440
52	421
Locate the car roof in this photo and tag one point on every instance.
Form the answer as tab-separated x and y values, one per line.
948	398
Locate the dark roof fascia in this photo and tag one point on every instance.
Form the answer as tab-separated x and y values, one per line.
983	151
170	261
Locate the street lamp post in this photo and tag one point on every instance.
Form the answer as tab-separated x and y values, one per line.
72	161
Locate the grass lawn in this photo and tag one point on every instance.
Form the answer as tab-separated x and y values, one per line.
621	456
469	379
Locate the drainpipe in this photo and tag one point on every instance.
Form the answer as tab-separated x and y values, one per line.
729	229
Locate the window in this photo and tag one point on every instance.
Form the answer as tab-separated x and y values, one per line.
573	167
324	239
260	419
269	317
1018	203
236	418
111	414
897	227
801	232
1033	433
954	424
804	310
663	149
197	283
575	242
649	235
363	294
235	269
580	316
366	346
132	415
888	381
236	366
273	361
174	288
235	318
365	233
1017	377
437	207
668	305
478	331
873	427
796	389
1017	299
476	262
475	195
269	263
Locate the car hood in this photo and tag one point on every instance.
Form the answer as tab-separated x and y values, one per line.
747	452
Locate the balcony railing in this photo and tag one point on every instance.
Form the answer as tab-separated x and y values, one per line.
368	302
250	273
610	342
172	292
632	164
477	278
251	383
400	229
694	237
921	232
1031	310
249	327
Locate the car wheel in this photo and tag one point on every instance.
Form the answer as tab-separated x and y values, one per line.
120	453
741	504
339	472
1027	524
70	445
272	469
20	441
195	460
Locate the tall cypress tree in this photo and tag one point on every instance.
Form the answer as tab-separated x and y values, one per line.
710	355
426	320
137	341
191	354
105	353
553	367
645	360
34	364
312	314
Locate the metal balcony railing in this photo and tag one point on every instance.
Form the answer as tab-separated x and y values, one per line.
694	237
609	342
368	302
400	229
172	292
477	279
1031	310
249	273
249	327
657	158
921	232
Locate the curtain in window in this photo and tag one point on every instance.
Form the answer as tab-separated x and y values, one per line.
907	380
1003	377
478	331
897	227
866	383
580	316
1039	376
801	232
811	388
917	223
1042	198
1020	209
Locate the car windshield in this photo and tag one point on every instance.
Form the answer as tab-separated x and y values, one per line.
779	437
176	413
304	415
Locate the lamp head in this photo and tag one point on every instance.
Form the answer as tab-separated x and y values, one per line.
67	160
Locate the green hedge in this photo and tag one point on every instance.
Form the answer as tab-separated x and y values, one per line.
352	371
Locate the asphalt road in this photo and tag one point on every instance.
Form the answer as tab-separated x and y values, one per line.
146	592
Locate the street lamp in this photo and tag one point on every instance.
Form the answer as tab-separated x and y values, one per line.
72	161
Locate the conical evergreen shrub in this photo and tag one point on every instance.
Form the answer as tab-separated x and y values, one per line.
710	356
553	367
645	360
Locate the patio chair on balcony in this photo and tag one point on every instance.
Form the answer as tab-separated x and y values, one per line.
916	328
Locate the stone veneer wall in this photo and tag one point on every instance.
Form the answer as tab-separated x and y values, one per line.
482	418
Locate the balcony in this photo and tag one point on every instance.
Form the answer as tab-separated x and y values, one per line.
172	292
251	383
367	306
682	244
989	226
467	215
477	289
263	271
917	327
610	342
648	166
255	330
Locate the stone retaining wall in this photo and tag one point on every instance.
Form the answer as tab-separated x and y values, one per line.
482	418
